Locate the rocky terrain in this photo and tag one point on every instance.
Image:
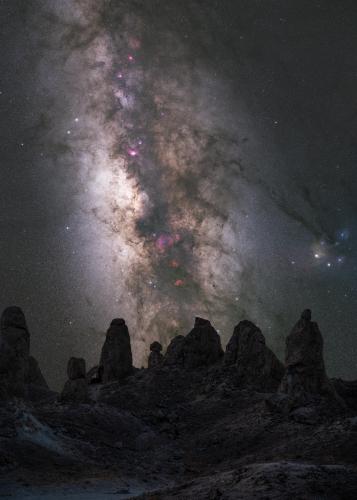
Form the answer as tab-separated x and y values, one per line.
198	423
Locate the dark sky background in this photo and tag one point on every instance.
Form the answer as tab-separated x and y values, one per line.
162	159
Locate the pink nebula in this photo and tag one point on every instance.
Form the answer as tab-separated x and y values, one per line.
132	152
164	242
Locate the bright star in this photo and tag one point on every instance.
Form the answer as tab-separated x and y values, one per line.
344	234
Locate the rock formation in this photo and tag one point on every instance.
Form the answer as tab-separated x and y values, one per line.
14	350
116	358
305	369
201	347
155	357
76	368
76	388
201	423
254	362
174	353
34	375
347	390
94	376
18	370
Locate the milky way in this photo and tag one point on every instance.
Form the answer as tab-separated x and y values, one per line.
178	151
155	171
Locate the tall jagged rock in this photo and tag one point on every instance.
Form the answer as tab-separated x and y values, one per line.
14	351
155	356
305	368
174	355
18	370
34	375
200	347
76	388
116	359
76	368
254	362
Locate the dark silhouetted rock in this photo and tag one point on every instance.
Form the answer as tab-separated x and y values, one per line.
305	415
75	391
76	368
155	357
20	374
76	388
14	351
305	369
174	353
14	317
306	315
279	402
347	390
155	347
255	363
202	346
94	375
34	374
116	358
14	332
192	433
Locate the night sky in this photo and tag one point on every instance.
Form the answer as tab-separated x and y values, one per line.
162	159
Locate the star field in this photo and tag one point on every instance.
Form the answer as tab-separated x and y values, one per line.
162	160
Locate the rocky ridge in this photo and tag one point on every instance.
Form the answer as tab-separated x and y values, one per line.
199	422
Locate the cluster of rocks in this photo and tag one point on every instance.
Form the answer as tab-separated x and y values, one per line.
195	413
116	363
252	363
246	356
